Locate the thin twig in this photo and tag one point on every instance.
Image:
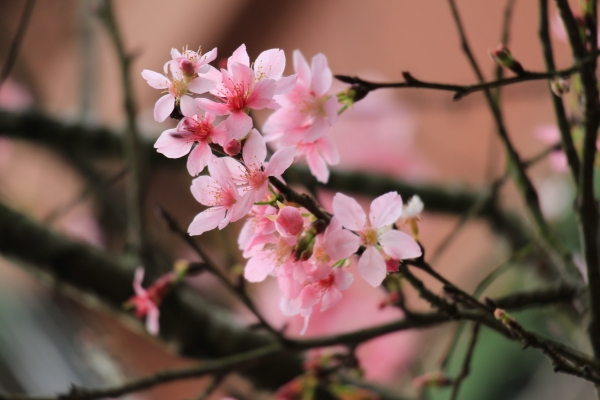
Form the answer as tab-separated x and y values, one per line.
516	166
132	144
466	367
16	43
212	267
213	385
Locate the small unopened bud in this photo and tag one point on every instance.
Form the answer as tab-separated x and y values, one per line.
503	57
560	86
392	265
186	67
507	321
432	379
289	222
232	148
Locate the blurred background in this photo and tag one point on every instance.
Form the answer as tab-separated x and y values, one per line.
67	68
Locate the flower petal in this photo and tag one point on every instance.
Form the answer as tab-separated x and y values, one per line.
270	64
349	212
164	107
371	266
317	165
286	84
260	266
201	85
240	55
302	69
205	190
188	106
156	80
341	244
321	75
280	161
238	124
198	158
385	210
255	150
262	94
343	278
400	245
173	144
207	220
152	317
330	298
213	107
328	150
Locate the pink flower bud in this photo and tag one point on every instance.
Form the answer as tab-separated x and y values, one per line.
392	265
502	56
289	222
186	66
232	148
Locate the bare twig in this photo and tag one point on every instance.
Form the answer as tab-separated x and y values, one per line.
16	42
132	145
466	367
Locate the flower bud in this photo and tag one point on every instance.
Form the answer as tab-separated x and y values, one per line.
502	56
186	67
560	86
232	148
289	222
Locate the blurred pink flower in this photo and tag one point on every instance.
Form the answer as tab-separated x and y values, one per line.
14	97
550	135
146	302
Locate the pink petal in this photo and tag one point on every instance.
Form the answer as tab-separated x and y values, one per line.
398	244
206	221
204	189
289	221
188	106
255	150
240	55
302	69
280	161
385	210
330	298
317	165
260	266
341	244
262	94
137	281
349	212
321	75
309	296
199	158
316	130
286	84
284	119
164	107
175	53
270	64
213	107
209	56
331	109
558	161
238	124
371	266
220	135
343	278
328	150
242	77
156	80
152	318
216	76
201	85
242	207
173	144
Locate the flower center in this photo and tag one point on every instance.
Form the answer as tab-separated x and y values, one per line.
178	88
369	237
256	178
236	100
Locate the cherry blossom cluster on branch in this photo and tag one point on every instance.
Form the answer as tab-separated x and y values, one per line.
308	255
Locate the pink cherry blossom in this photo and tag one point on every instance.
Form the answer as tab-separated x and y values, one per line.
257	230
273	255
318	155
178	89
307	105
240	88
175	143
146	302
221	195
550	135
289	221
253	175
375	233
190	61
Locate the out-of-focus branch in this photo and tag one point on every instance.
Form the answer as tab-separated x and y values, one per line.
197	329
77	140
16	42
460	91
237	362
587	206
537	298
132	145
466	367
515	164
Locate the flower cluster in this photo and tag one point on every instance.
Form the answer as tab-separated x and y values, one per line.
308	255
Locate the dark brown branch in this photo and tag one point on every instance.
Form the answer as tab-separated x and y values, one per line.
304	200
460	91
537	298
